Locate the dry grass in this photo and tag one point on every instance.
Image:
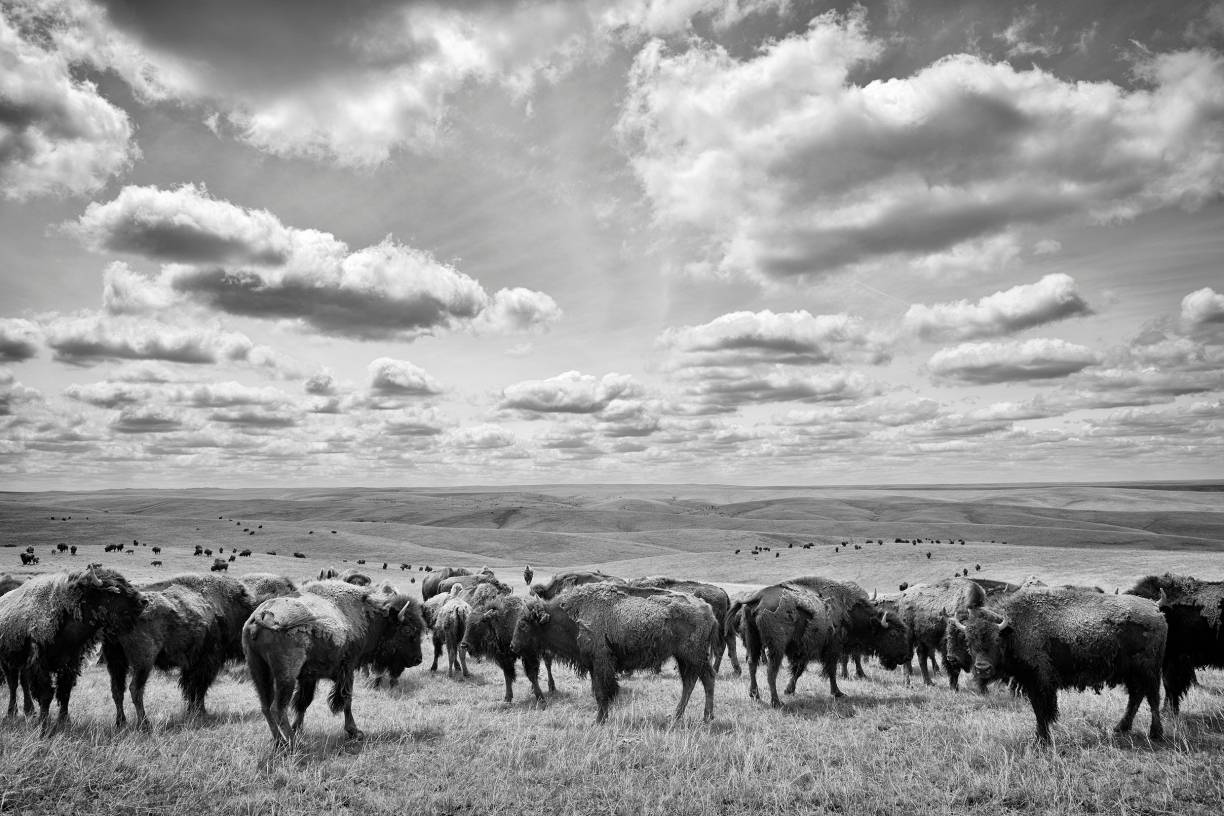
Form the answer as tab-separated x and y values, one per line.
442	746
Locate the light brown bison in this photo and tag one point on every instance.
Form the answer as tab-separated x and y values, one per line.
49	623
326	632
1046	639
1194	610
924	609
447	618
604	629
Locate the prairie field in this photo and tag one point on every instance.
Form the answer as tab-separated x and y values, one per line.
441	745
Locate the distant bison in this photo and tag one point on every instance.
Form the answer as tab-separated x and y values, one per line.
604	629
27	559
1046	639
219	565
49	623
567	580
351	576
325	633
1194	610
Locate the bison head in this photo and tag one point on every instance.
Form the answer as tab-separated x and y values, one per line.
892	641
956	647
985	635
529	631
108	597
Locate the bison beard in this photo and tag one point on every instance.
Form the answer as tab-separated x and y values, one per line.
605	629
1046	639
329	631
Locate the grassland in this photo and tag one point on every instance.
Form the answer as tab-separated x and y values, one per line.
438	745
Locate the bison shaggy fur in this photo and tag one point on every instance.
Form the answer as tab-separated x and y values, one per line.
1046	639
787	620
925	609
719	603
326	632
430	585
604	629
1194	610
49	623
568	580
490	632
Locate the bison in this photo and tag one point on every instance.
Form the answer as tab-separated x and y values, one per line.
49	624
924	609
447	617
327	632
604	629
1194	611
1047	638
429	586
866	629
351	576
490	632
193	623
719	603
567	580
792	621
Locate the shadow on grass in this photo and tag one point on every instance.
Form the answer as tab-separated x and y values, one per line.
314	747
813	706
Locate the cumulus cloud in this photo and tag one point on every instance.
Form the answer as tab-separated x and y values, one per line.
1202	311
984	363
790	338
569	393
13	393
247	263
794	167
730	388
1052	298
487	436
134	420
19	339
89	339
400	378
57	134
322	384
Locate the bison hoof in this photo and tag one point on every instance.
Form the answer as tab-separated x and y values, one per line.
753	694
775	703
837	695
356	734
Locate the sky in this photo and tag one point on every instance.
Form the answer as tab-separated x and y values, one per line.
302	243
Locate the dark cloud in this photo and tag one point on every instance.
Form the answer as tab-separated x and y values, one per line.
18	340
145	420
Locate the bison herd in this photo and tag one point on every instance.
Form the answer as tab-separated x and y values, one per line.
1038	639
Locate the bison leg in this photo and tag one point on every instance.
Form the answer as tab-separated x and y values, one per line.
771	676
302	698
845	667
735	664
437	641
117	668
27	702
43	691
688	680
752	650
1134	696
140	677
12	674
830	671
1156	730
265	687
531	669
65	680
1045	709
552	686
342	697
858	668
196	680
463	664
797	668
604	686
924	654
707	683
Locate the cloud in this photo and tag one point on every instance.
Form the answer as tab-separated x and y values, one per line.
790	338
57	134
133	420
88	340
19	339
569	393
786	165
109	394
247	263
481	437
13	393
1052	298
322	384
730	388
400	378
1202	311
984	363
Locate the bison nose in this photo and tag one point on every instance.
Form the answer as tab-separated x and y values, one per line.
982	667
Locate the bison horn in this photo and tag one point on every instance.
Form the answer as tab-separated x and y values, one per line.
957	623
1004	625
884	620
1163	601
874	592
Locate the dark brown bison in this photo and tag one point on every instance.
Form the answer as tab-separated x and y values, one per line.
715	596
192	623
604	629
1046	639
866	630
787	620
326	632
430	584
957	657
350	575
490	632
567	580
924	608
49	623
1194	610
7	584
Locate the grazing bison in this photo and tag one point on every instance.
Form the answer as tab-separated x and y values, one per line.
490	632
326	632
924	609
567	580
792	621
715	596
193	623
1194	611
219	565
430	586
468	583
1046	639
604	629
866	630
49	623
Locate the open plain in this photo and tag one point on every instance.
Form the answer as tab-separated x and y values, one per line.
439	745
